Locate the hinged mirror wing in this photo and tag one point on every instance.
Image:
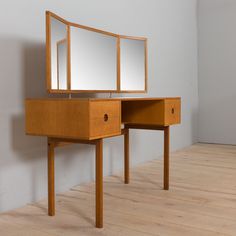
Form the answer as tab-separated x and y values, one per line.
57	48
133	64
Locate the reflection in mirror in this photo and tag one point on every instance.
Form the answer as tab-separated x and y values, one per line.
58	54
93	60
132	64
62	64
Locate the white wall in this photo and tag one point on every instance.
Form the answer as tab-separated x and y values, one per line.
170	26
217	71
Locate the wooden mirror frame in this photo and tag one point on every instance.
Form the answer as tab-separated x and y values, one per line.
68	25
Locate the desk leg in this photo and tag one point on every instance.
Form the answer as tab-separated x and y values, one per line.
166	156
51	191
126	156
99	183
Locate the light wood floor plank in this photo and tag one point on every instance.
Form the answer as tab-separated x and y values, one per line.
201	201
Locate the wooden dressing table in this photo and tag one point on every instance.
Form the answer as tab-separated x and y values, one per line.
67	121
81	59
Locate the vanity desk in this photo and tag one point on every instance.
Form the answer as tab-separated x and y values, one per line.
82	59
90	120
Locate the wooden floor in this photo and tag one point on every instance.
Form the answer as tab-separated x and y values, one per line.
201	201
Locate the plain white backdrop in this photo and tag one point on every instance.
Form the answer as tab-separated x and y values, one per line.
217	71
171	28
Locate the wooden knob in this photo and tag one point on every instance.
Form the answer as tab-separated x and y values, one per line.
172	110
105	117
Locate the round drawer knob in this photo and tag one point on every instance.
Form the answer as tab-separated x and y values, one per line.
105	117
172	110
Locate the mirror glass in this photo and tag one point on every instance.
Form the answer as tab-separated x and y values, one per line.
85	59
132	64
93	60
62	64
58	54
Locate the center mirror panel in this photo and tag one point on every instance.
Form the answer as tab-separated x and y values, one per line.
93	60
58	54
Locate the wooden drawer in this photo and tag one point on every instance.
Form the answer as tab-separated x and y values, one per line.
105	118
73	118
172	111
166	111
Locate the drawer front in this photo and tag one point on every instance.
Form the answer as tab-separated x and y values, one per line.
172	111
105	118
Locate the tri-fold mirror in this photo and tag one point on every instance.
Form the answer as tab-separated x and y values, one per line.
85	59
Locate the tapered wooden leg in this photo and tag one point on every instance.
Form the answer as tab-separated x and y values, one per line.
99	183
166	156
51	190
126	156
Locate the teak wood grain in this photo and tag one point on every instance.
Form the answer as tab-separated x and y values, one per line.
57	119
51	180
68	58
99	183
154	112
126	156
67	121
73	118
97	118
166	157
48	51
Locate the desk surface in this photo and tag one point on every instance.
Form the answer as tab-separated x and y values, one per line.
107	99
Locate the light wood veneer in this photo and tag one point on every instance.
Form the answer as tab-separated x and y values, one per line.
153	112
91	119
67	121
73	118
